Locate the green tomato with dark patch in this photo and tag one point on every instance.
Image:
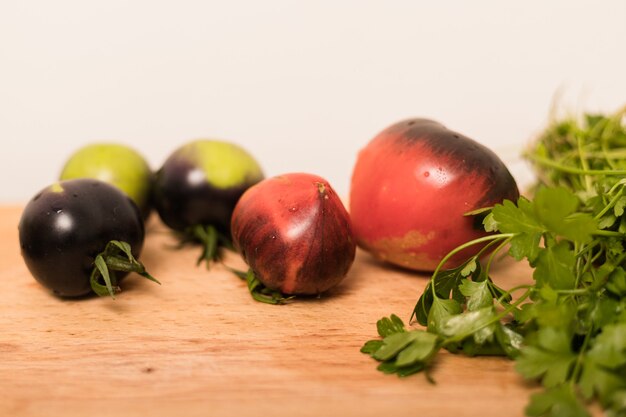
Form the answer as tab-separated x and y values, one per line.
115	164
196	189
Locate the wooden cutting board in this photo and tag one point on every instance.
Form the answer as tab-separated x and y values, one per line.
198	345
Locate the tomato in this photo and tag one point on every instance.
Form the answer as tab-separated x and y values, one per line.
66	226
198	186
116	164
411	188
294	233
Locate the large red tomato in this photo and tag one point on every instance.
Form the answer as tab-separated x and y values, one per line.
412	185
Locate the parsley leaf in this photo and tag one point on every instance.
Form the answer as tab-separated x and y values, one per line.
440	312
604	371
445	283
400	351
420	349
559	401
551	358
555	267
392	368
390	325
393	344
478	294
521	220
478	323
556	208
617	282
510	340
620	205
371	346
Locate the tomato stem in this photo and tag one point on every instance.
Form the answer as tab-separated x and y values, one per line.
258	290
211	240
117	256
110	281
261	293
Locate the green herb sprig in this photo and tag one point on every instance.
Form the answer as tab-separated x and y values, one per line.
567	329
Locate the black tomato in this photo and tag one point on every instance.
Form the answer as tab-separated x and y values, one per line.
82	235
197	188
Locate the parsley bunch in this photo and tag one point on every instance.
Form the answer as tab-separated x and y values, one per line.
567	329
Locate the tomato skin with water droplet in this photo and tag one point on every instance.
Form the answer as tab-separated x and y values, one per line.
411	186
65	226
294	233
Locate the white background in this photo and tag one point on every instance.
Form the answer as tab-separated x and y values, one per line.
302	85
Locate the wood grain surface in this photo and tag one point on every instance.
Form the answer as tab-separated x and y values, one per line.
198	345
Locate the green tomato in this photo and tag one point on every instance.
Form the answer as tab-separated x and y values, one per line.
115	164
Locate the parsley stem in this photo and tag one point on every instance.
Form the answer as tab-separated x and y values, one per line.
588	248
493	254
489	245
614	187
589	261
608	233
510	292
579	291
578	267
573	170
579	358
610	204
467	245
607	154
583	161
604	154
490	238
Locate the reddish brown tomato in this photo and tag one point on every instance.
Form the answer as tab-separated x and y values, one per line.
412	185
294	233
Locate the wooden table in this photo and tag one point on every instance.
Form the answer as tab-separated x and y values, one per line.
198	345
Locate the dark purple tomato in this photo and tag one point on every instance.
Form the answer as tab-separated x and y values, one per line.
411	188
198	186
68	225
294	233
